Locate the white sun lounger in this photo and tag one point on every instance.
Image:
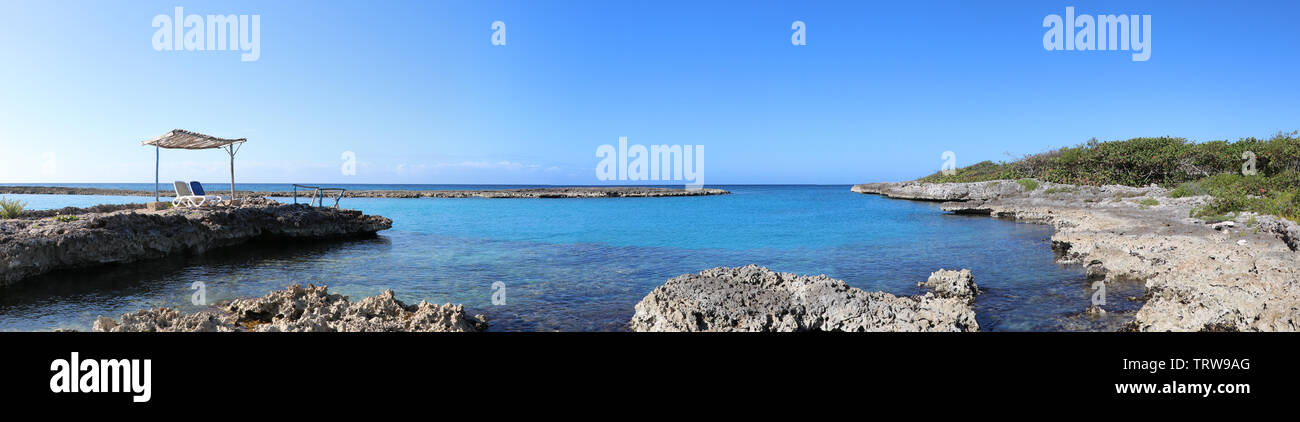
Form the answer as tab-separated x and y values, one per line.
197	190
186	198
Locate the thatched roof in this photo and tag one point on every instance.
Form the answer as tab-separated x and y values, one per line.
184	139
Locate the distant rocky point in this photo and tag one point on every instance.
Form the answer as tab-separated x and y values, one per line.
941	191
753	298
299	309
56	190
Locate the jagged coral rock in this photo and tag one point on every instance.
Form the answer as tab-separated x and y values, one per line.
753	298
304	309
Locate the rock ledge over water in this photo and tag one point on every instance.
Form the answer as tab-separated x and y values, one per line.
753	298
34	245
941	191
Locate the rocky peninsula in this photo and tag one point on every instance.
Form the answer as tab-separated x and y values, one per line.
547	192
941	191
753	298
1236	273
299	309
38	242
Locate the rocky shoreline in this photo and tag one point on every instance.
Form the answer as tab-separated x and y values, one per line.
941	192
549	192
753	298
35	244
299	309
1240	274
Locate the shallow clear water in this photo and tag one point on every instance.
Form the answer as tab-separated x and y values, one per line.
581	264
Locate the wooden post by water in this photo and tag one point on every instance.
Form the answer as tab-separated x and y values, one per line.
155	173
231	150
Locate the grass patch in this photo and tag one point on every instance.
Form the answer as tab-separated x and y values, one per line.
1028	184
11	208
1274	195
1188	189
66	218
1149	202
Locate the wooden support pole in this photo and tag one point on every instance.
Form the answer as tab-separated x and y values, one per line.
231	150
155	172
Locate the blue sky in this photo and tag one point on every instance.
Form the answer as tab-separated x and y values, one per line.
418	92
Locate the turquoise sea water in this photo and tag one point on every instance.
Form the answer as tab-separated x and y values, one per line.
581	264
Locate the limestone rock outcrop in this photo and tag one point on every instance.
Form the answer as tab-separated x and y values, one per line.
299	309
753	298
952	283
32	245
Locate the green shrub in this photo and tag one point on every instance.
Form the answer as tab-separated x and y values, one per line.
66	218
978	172
1138	162
1207	168
1188	189
11	208
1274	195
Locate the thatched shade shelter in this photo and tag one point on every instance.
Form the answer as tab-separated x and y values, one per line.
184	139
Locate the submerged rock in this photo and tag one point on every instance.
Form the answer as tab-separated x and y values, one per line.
33	246
299	309
952	283
753	298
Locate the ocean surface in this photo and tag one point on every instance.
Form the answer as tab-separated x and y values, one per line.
582	264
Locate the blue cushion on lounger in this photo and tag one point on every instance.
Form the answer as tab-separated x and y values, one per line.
197	189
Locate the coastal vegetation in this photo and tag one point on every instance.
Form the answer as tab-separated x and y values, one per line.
1257	175
11	208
